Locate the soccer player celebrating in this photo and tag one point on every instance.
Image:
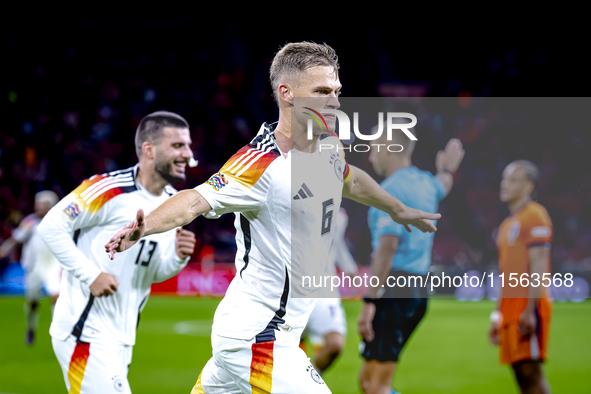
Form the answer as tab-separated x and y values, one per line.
521	321
386	322
41	267
258	324
96	316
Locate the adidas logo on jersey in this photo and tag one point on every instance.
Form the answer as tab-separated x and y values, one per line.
304	192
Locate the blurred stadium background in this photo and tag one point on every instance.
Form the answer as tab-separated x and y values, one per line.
78	86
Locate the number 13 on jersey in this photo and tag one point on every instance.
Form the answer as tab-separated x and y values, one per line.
151	248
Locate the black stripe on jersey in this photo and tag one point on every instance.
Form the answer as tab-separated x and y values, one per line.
307	190
245	226
268	334
113	178
122	174
76	235
139	312
270	143
77	331
122	177
546	244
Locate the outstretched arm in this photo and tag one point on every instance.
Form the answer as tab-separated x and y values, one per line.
447	162
362	188
20	235
177	211
7	246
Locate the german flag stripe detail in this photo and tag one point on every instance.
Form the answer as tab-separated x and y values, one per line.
78	366
263	144
261	368
248	165
93	193
346	173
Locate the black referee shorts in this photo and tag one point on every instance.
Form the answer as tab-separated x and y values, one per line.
397	315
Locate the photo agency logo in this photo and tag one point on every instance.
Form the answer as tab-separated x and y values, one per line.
394	122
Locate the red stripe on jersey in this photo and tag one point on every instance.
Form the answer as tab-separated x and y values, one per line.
261	367
91	196
347	173
78	366
248	165
102	199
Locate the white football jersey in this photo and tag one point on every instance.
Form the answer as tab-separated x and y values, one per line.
77	229
339	255
35	254
283	223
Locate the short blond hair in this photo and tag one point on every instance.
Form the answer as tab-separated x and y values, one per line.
296	57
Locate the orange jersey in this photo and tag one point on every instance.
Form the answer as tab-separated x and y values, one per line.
529	227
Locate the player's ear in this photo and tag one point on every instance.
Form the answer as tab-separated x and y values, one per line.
148	150
531	189
285	94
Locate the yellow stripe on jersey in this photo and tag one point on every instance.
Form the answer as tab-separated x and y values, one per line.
198	388
347	173
78	366
248	165
261	367
93	193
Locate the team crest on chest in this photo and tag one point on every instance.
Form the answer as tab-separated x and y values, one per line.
513	233
336	161
315	375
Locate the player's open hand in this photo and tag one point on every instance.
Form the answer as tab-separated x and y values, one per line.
184	243
450	158
364	324
104	285
127	236
419	219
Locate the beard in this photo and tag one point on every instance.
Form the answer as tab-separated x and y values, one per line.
165	171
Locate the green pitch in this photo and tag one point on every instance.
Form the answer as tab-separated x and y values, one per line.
448	353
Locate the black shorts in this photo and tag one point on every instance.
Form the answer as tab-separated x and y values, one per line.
394	321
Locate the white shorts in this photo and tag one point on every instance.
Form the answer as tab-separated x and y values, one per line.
42	277
93	368
273	367
328	316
